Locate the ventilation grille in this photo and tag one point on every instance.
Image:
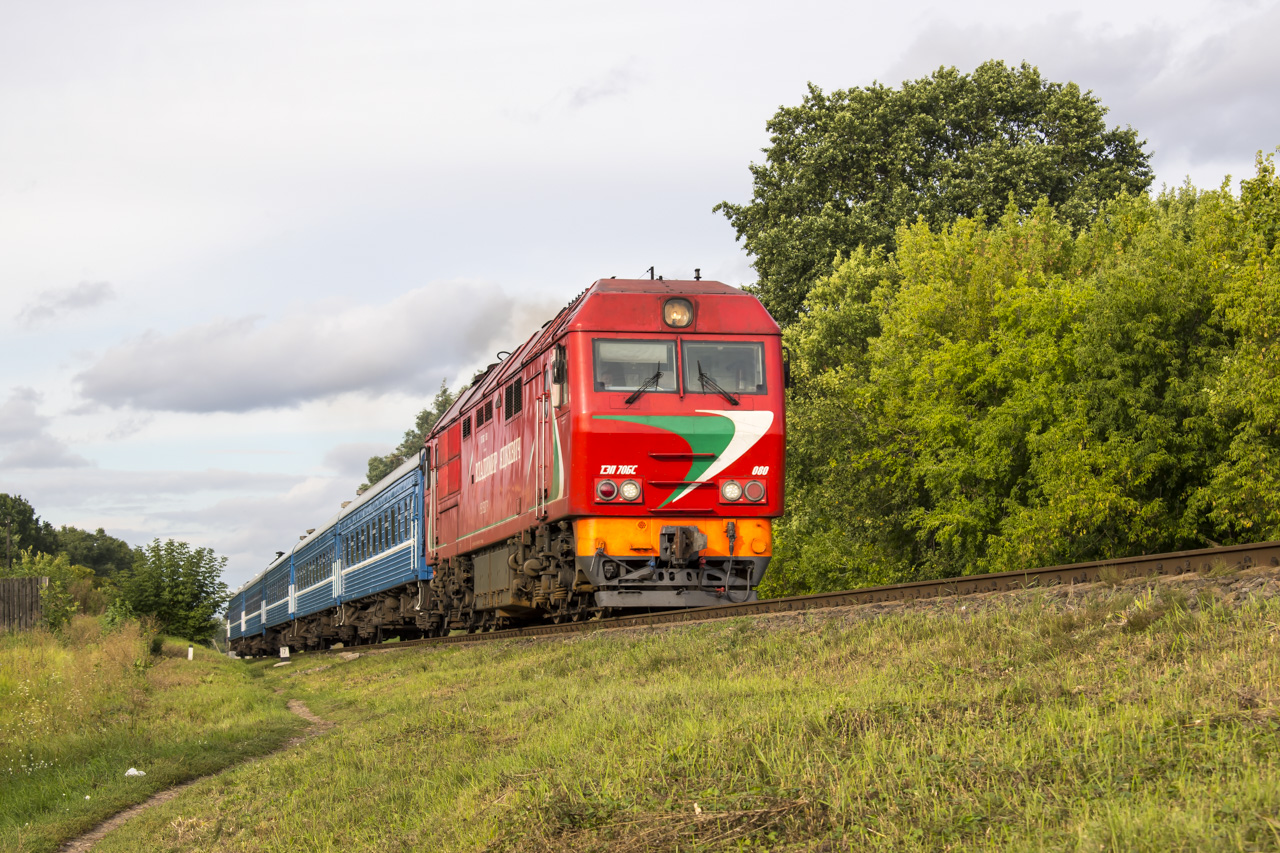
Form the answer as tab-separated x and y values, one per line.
513	398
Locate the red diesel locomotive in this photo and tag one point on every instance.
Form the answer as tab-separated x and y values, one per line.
628	455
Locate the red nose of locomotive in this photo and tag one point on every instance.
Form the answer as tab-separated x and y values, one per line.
679	448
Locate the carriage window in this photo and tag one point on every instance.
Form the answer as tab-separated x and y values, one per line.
626	365
736	367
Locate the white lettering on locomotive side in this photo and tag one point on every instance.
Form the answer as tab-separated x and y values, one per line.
509	454
759	470
487	466
619	470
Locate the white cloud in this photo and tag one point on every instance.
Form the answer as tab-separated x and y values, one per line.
351	461
56	302
248	530
1201	98
244	516
86	488
242	364
25	441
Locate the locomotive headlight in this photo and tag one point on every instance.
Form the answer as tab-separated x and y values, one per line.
731	490
607	490
630	490
677	313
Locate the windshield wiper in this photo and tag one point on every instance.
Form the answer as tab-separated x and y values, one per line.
650	383
715	386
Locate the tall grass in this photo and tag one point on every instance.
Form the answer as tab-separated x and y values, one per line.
1134	719
80	707
52	687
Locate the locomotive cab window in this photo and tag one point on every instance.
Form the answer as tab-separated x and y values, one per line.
736	367
628	365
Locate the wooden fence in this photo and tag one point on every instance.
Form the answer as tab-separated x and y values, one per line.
20	602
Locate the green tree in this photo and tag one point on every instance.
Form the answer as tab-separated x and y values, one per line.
381	466
179	585
105	554
1001	395
21	530
845	169
1243	498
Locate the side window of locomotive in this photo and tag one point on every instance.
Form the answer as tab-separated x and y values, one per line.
736	367
558	376
626	365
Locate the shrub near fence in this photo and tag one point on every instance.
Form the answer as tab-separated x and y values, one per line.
20	603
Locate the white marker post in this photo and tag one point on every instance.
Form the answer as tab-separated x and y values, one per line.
191	652
284	653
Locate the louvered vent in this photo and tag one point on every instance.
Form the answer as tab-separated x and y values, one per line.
513	399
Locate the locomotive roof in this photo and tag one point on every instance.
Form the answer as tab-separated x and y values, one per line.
609	305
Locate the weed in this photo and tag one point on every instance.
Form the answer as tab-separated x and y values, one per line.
79	708
1136	720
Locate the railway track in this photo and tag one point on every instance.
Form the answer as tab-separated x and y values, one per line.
1176	563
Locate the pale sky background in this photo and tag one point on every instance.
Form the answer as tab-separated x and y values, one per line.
242	243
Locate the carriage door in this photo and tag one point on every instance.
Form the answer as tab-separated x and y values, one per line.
448	483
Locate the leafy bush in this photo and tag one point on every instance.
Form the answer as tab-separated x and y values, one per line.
992	397
180	586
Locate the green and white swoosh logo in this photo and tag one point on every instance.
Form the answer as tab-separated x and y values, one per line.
726	435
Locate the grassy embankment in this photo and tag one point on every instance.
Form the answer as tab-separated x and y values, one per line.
1121	719
80	708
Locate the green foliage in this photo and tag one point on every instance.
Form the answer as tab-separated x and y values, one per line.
58	601
996	396
118	614
106	555
180	586
845	169
381	466
21	529
1244	495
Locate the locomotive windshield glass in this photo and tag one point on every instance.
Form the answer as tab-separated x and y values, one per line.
627	365
737	368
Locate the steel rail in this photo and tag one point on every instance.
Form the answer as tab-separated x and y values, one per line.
1175	563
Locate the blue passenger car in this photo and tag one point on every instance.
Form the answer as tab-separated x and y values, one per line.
372	548
380	536
314	568
277	585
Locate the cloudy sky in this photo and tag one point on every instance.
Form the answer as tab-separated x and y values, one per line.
242	243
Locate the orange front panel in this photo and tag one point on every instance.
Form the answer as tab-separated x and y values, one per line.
638	537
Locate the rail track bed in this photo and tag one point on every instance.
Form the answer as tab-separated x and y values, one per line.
1202	561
